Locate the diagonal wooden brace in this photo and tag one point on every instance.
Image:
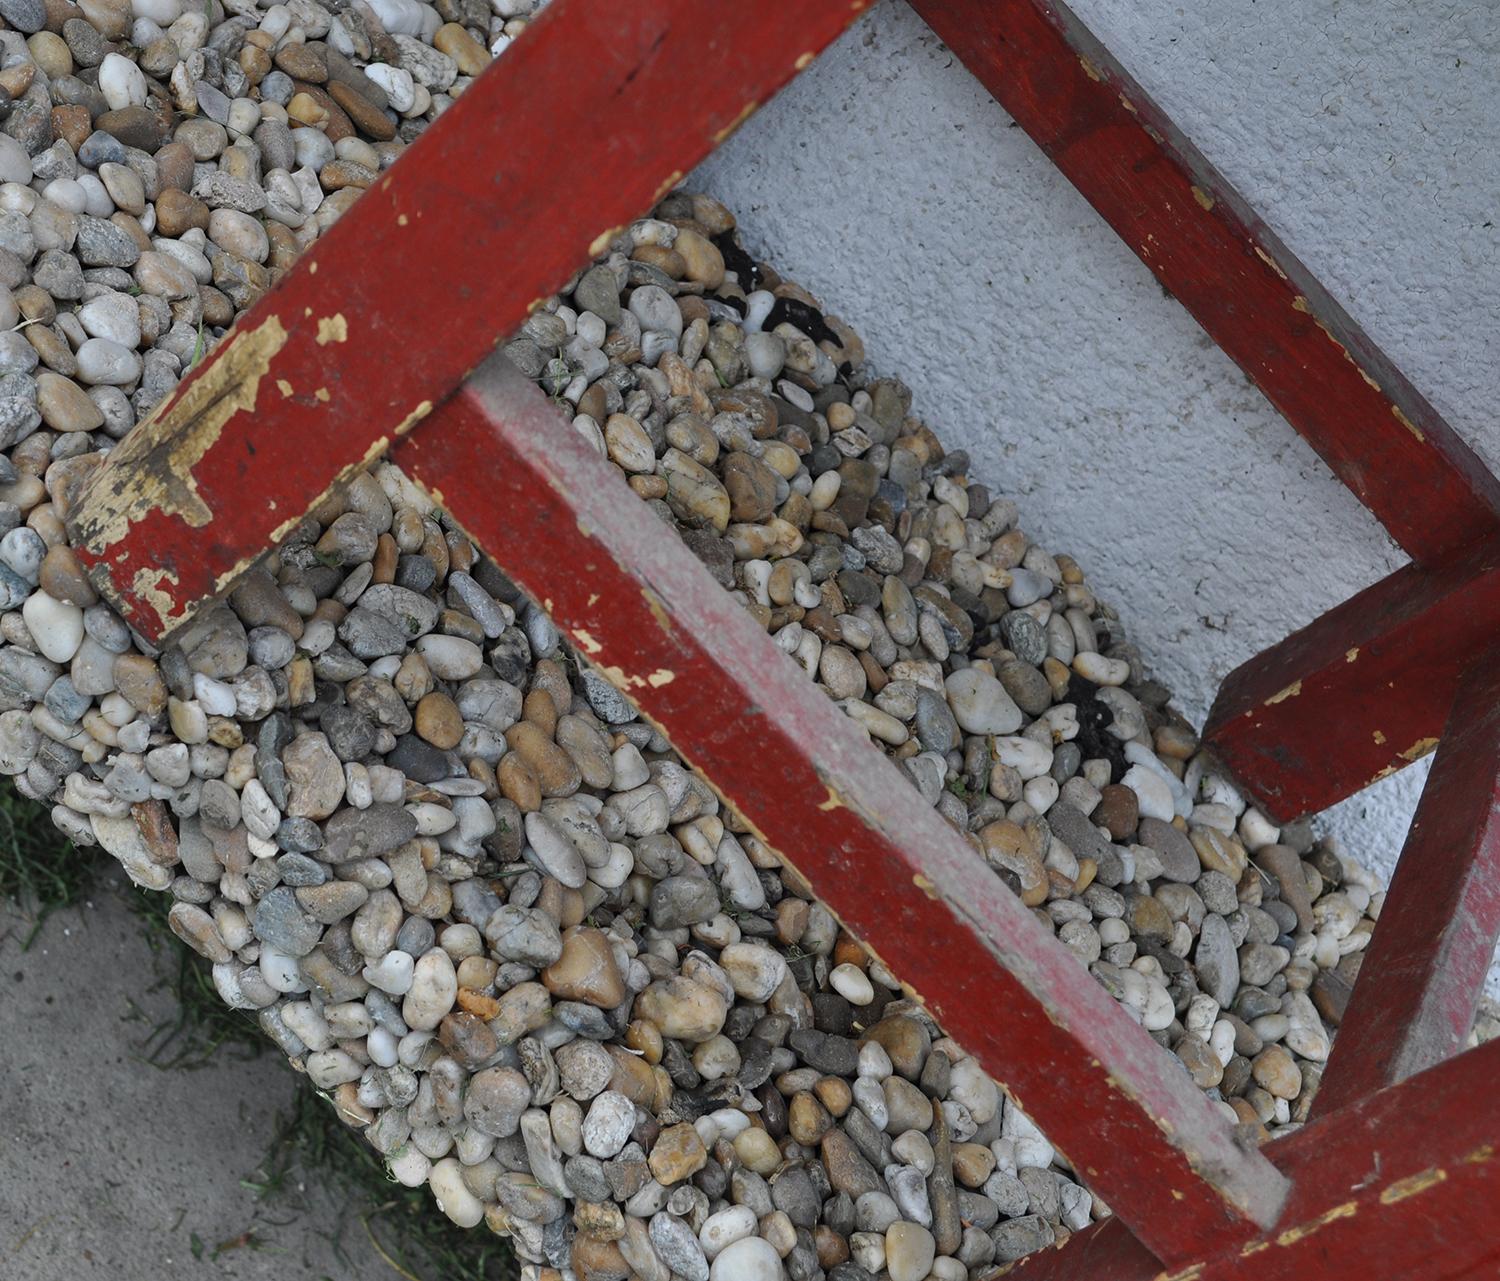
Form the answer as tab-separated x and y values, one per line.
636	602
1401	1186
1422	977
526	176
1361	692
1207	246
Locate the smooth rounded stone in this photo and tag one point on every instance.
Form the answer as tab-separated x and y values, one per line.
527	935
281	923
586	970
608	1124
678	901
752	1259
1217	960
103	361
556	854
682	1009
452	1194
315	777
1178	859
909	1251
980	703
64	405
122	83
56	626
451	658
755	971
433	990
240	234
495	1101
369	833
678	1248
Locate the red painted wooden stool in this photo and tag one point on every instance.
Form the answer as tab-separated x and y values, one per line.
1397	1176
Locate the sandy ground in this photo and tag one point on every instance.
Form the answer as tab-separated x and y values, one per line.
112	1168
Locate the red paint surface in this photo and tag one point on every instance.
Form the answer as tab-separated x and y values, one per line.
1402	1186
1362	691
1423	974
562	522
1261	305
588	118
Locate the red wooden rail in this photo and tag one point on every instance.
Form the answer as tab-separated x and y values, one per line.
1363	691
1210	250
339	360
1441	918
229	466
644	610
1401	1186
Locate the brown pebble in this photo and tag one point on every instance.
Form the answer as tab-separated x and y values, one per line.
1118	811
364	114
586	970
177	212
518	783
438	721
62	576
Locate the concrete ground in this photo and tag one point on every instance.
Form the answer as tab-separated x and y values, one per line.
112	1168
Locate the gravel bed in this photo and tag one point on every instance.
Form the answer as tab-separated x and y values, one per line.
469	893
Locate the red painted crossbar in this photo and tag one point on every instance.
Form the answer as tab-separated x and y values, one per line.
1423	973
643	609
1209	248
1402	1185
529	173
1362	691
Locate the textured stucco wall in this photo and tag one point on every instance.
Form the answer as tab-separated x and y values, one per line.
888	182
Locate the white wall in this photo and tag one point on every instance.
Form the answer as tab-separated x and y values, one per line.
888	182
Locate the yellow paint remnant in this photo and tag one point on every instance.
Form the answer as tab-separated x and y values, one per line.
1127	104
1413	1185
1379	738
1480	1155
1202	197
402	220
661	676
152	468
1255	1247
1292	1235
1420	748
1408	424
593	597
745	113
658	610
284	387
925	885
1190	1273
1351	654
312	267
333	329
1089	69
587	642
671	180
834	801
1269	261
147	584
322	396
1385	773
1299	303
1291	691
601	242
804	61
413	418
1176	1195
